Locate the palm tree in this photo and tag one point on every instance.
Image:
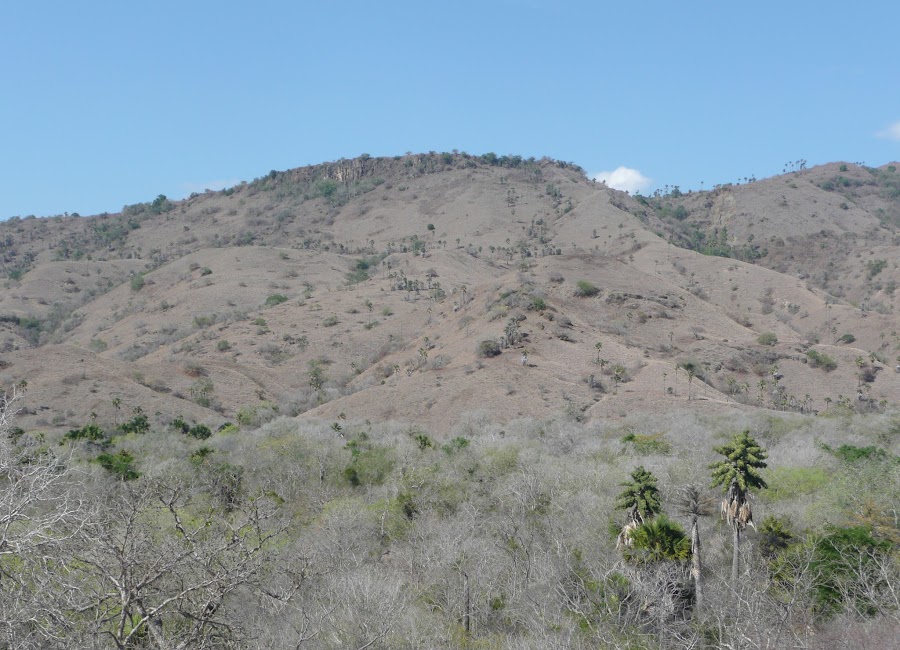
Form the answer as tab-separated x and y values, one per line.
737	475
693	503
641	501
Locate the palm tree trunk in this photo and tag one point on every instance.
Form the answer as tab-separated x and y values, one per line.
736	555
696	565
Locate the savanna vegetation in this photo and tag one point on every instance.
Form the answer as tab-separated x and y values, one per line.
539	534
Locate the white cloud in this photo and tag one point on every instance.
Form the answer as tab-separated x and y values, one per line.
624	178
891	133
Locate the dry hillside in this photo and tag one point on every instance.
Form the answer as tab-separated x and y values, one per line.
367	288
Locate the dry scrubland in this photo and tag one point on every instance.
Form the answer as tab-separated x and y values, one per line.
393	403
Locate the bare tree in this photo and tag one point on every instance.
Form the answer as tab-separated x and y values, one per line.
157	563
39	500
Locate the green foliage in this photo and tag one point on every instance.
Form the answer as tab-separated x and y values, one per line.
585	289
223	346
362	268
98	345
874	267
137	282
488	348
537	304
257	414
88	432
767	338
658	540
853	454
646	444
847	338
275	299
138	424
743	460
821	360
456	445
775	535
845	564
120	464
791	482
330	321
369	464
326	188
640	496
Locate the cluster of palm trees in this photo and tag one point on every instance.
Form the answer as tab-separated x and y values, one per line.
650	537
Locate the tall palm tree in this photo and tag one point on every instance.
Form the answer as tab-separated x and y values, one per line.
641	501
693	503
737	475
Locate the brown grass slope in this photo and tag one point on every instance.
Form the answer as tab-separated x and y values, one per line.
362	289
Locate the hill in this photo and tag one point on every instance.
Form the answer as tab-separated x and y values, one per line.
363	289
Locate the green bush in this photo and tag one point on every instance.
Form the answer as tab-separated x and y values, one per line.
767	338
584	289
137	282
331	321
88	432
488	348
852	453
121	464
275	299
847	338
653	443
199	431
840	561
874	267
223	346
369	465
138	424
821	360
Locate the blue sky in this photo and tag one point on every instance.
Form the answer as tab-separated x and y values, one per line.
109	103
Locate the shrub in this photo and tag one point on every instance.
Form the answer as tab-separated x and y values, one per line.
138	424
199	431
488	348
847	338
653	443
767	338
821	360
88	432
538	304
275	299
202	322
852	454
137	282
874	267
121	464
331	321
584	289
223	346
